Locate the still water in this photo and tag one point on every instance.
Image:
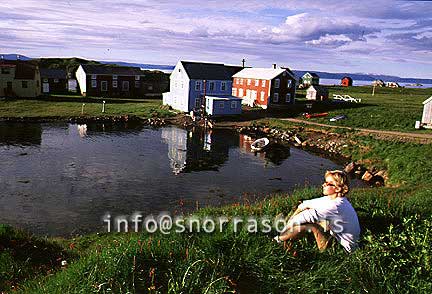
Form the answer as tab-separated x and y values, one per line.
61	179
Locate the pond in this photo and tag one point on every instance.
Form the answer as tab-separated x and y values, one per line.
61	179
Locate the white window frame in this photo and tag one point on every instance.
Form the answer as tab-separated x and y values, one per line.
212	86
288	97
233	104
256	83
197	85
237	81
104	83
241	81
114	77
263	83
137	78
56	81
123	86
93	77
45	80
276	97
234	91
115	84
223	86
262	96
289	83
277	83
249	81
94	83
241	92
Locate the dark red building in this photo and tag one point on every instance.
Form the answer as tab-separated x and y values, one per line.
346	82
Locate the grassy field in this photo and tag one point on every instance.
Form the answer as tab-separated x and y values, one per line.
71	106
389	109
395	254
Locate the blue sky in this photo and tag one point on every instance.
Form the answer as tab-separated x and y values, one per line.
385	37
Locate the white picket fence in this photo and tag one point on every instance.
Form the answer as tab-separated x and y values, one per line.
346	98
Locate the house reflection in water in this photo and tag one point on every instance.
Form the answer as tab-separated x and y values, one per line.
21	134
198	149
276	153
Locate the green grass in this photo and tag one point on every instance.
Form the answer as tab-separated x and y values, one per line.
389	109
66	108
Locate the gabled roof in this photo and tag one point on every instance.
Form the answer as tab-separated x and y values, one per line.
260	73
94	69
312	74
347	77
427	100
24	70
317	88
209	71
53	73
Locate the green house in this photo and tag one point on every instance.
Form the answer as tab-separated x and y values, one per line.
310	79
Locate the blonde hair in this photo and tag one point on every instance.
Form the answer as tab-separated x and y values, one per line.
341	180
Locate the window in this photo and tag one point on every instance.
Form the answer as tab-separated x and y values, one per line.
93	77
198	102
211	86
289	82
248	81
234	91
24	84
179	69
125	85
198	85
233	104
263	83
288	98
240	93
237	81
94	83
276	97
221	105
277	83
256	83
137	84
137	78
182	84
5	70
115	84
104	86
241	81
114	77
56	81
262	96
223	86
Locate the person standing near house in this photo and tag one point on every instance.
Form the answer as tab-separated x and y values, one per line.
327	217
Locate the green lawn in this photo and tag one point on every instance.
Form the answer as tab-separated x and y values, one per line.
389	109
66	107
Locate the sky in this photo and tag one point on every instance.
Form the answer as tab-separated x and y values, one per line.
379	37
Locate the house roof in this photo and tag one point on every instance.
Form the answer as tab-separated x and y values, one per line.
317	88
427	100
346	77
24	70
94	69
209	71
259	73
312	74
53	73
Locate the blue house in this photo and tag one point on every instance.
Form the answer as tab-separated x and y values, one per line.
191	81
216	106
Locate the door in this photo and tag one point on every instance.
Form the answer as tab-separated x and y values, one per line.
45	87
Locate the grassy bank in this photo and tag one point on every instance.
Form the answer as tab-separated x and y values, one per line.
72	106
389	109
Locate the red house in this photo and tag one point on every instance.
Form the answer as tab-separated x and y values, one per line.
346	82
265	87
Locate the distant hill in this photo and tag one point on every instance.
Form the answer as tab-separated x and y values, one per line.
71	64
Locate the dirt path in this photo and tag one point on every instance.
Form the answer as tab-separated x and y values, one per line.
424	138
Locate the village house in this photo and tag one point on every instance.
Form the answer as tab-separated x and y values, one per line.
392	85
309	79
265	87
378	83
426	121
54	81
110	81
19	79
190	82
346	82
315	92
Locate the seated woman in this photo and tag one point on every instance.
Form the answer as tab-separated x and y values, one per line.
326	217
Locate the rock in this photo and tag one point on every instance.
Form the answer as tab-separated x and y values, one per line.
349	167
367	176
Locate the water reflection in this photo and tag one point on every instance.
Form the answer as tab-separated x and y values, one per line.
20	134
275	154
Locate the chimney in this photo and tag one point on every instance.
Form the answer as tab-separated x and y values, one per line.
243	62
274	65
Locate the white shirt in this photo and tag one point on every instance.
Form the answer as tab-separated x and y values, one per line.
342	218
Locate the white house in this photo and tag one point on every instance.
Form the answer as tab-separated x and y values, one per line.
191	81
427	113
